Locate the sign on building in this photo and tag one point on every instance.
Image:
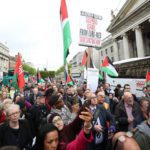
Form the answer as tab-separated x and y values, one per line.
90	29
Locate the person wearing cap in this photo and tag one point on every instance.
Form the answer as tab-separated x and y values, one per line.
57	106
68	132
39	112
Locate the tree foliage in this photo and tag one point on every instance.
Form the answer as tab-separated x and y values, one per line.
46	74
31	70
61	69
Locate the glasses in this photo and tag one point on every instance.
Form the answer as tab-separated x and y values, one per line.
15	113
57	120
122	138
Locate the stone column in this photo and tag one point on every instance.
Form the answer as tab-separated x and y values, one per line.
115	49
139	42
126	46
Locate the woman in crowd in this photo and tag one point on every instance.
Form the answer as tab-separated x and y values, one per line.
52	136
15	132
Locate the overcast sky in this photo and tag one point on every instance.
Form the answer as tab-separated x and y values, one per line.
32	27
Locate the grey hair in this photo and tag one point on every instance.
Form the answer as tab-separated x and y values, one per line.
12	106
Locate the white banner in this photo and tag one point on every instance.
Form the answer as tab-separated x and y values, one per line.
92	79
90	29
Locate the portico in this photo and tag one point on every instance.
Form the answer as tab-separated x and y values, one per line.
131	27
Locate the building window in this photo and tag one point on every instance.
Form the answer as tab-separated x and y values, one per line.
111	49
106	51
101	53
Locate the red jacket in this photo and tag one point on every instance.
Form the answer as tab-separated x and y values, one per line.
2	117
80	142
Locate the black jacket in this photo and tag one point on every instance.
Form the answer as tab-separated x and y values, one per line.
22	138
122	118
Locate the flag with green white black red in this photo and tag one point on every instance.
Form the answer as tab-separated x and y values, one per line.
39	78
108	67
65	28
84	59
148	78
68	78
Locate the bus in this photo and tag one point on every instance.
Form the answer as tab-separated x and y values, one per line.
131	71
7	79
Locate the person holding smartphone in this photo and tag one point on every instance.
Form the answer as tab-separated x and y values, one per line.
101	130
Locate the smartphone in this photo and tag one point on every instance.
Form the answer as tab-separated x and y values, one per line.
86	104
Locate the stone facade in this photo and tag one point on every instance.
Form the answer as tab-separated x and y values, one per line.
12	62
76	65
131	28
130	32
4	58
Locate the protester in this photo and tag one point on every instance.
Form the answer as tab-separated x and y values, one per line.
57	106
15	132
144	103
39	112
147	94
101	131
128	113
69	132
136	139
101	100
2	115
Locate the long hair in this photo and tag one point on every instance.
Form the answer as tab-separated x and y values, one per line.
39	145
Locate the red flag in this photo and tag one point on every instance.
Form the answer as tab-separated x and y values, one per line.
148	78
19	74
84	59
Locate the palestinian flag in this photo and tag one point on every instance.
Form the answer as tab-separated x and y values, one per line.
18	79
68	78
84	59
148	78
108	67
100	76
39	78
66	28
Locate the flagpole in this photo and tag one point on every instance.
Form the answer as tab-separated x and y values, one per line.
89	56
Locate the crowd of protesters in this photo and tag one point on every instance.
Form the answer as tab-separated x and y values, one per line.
53	116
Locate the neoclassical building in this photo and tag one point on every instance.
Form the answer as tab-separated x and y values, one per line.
130	30
4	59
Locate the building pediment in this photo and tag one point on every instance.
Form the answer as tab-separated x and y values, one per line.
128	9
